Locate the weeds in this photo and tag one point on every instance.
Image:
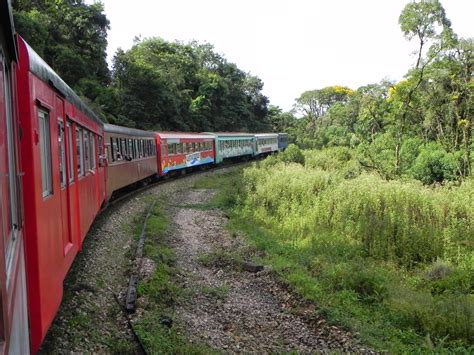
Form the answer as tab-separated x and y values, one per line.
392	260
159	294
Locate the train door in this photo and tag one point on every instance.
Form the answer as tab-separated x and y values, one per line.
64	157
13	303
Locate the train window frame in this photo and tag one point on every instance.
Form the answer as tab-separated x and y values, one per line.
69	143
112	149
62	154
93	153
87	164
44	128
80	152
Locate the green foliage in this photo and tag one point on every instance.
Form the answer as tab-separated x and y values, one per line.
434	164
392	260
175	86
70	35
292	154
419	127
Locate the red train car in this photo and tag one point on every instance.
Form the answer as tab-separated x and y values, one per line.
14	337
131	156
179	151
63	182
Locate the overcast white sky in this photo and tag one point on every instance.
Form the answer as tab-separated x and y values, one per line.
292	45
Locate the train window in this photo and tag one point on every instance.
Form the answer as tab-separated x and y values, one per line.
45	149
130	148
124	148
71	152
62	154
79	152
113	149
87	164
93	152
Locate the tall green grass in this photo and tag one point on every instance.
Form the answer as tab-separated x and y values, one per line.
392	260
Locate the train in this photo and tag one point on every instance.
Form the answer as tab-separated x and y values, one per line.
59	167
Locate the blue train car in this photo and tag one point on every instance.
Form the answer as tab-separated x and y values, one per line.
282	141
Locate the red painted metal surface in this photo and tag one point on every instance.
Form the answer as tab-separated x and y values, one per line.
56	224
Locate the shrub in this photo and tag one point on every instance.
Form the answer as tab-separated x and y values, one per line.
292	154
434	164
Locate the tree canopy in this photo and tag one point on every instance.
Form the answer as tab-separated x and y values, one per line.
421	126
177	86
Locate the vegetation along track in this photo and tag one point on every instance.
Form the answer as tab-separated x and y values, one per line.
195	293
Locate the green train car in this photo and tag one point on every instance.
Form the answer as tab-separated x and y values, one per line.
233	145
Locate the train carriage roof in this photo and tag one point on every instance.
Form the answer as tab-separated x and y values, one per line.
231	134
7	29
41	69
184	135
110	128
263	135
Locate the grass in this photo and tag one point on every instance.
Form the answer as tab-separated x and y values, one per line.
160	292
220	258
390	260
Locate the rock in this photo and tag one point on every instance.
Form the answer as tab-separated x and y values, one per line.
251	267
166	321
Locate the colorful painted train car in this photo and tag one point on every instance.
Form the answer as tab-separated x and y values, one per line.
182	151
266	143
131	156
233	145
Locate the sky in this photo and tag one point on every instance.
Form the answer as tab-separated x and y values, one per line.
292	45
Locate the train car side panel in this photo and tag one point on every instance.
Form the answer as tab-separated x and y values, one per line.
282	141
266	143
13	303
179	151
131	156
61	196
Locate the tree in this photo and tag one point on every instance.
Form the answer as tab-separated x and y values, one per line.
422	20
70	35
177	86
315	103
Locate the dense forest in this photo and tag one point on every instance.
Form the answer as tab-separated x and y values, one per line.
155	85
420	127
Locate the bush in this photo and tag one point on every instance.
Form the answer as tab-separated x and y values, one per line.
434	164
292	154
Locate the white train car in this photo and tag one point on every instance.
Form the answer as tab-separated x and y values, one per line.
266	143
